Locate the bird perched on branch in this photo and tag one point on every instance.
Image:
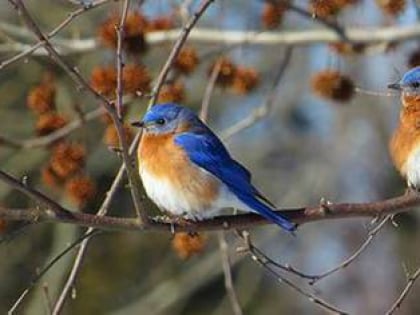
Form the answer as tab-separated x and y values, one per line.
405	143
187	171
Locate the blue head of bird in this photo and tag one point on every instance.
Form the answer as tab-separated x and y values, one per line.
167	118
409	85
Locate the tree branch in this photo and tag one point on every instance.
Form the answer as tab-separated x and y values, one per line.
373	35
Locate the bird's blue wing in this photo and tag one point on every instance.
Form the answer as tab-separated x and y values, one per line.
207	151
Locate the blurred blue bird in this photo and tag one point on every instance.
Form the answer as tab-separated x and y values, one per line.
187	171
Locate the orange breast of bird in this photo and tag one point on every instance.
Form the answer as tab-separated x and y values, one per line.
406	138
167	162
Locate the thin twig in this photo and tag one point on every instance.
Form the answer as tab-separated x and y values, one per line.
47	267
133	177
224	255
356	254
205	104
56	30
181	38
119	59
281	279
83	245
264	109
410	283
54	136
116	183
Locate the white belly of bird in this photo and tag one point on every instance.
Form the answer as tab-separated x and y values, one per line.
413	168
178	201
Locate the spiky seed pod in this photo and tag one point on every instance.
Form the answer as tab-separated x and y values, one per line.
104	80
245	80
49	122
187	60
41	98
272	14
392	7
227	70
67	159
80	189
135	26
111	139
324	8
187	245
173	92
333	85
136	78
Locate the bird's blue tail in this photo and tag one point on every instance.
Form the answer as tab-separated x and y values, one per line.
267	213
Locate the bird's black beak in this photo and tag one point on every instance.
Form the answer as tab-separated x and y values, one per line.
138	124
394	86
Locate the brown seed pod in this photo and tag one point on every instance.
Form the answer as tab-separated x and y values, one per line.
272	14
392	7
41	98
173	92
135	26
67	159
187	245
136	78
245	80
187	60
104	80
49	122
324	8
227	71
333	85
80	189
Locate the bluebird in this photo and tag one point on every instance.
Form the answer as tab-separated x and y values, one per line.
187	171
405	142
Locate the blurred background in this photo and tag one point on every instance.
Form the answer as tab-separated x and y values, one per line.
324	135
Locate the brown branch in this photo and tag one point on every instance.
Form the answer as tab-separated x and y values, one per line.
58	214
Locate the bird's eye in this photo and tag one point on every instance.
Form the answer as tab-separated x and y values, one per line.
415	84
160	121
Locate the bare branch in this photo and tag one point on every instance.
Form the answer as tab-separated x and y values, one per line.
56	30
224	255
298	215
410	283
356	254
264	109
369	36
181	37
281	279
